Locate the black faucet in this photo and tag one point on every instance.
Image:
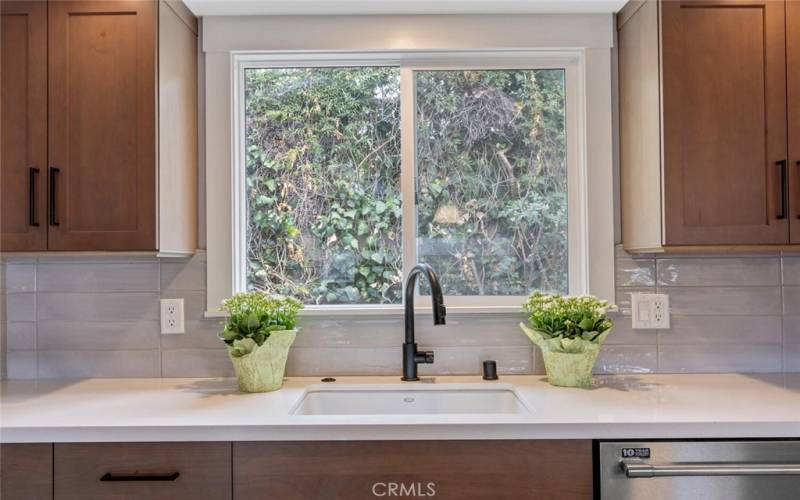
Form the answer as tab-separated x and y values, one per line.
411	356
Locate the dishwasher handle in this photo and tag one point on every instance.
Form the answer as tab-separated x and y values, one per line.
642	470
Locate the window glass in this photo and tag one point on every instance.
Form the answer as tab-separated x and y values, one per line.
323	183
492	180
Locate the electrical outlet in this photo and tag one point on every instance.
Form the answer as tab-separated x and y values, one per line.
660	310
171	315
649	311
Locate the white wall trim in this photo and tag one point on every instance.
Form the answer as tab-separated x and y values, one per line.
407	33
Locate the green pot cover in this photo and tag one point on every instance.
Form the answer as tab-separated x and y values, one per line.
568	362
570	369
262	369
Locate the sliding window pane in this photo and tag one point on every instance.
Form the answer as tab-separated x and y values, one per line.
492	180
323	183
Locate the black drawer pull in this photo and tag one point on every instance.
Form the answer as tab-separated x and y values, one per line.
164	476
784	189
33	177
52	199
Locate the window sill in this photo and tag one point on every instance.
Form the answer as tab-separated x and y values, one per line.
323	311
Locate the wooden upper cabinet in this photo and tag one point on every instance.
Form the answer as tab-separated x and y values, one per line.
724	112
23	146
99	126
703	117
793	95
102	129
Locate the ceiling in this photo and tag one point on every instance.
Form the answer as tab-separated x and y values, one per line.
408	7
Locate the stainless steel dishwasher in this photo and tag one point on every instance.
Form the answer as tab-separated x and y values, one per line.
707	470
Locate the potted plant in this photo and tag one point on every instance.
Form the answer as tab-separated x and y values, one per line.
258	333
569	331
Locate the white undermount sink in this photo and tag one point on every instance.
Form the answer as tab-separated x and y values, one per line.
403	400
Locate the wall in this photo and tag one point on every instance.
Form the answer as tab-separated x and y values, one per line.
98	317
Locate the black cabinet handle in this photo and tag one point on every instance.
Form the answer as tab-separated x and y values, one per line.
52	198
784	191
798	164
156	476
33	177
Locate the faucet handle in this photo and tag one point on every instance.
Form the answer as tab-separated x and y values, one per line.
424	357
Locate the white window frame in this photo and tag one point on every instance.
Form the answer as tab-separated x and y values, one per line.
571	61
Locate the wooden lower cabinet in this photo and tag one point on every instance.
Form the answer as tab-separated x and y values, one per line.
310	470
26	471
117	471
444	470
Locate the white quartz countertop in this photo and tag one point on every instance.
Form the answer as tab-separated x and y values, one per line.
618	407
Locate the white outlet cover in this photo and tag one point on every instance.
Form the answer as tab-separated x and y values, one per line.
172	316
649	311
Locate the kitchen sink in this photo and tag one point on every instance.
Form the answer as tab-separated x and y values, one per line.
402	400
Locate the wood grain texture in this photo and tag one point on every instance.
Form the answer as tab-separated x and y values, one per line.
26	471
724	121
205	471
640	129
177	131
102	123
23	85
459	470
793	96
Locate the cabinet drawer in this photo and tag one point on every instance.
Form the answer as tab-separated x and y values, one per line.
173	471
26	471
445	470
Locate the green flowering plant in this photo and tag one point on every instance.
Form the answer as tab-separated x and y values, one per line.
252	316
565	323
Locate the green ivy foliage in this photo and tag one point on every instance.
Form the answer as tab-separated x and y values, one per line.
491	147
323	182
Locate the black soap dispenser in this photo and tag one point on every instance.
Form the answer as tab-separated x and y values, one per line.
490	370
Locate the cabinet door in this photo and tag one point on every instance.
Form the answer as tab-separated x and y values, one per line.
102	125
26	471
724	118
23	146
793	94
445	470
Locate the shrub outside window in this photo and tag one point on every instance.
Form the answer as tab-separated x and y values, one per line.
336	205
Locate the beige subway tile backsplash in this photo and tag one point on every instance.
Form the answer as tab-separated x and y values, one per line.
98	335
93	277
97	316
752	271
99	364
98	306
738	301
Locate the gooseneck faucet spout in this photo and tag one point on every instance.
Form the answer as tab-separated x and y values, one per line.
411	356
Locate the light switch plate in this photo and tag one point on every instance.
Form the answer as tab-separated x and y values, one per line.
649	311
172	316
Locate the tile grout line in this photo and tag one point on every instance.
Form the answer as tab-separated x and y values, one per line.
36	314
160	337
783	313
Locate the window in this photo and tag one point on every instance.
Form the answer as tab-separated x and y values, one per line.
492	180
323	183
348	172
